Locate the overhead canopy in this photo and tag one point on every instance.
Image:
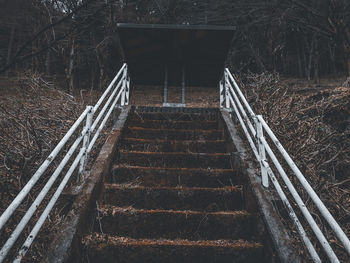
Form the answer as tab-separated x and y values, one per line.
198	50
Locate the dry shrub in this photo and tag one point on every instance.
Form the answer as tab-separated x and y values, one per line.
34	117
315	130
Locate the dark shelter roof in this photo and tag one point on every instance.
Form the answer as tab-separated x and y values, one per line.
202	50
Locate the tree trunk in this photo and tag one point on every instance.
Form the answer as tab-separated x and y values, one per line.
48	52
346	44
331	47
48	62
101	77
93	74
316	62
70	69
300	69
348	61
99	56
347	58
9	50
304	62
311	55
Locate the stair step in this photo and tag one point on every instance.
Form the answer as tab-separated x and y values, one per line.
169	116
104	248
187	177
174	124
175	159
159	145
175	198
193	225
174	134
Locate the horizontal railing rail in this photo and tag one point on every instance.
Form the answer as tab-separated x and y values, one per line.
254	127
117	91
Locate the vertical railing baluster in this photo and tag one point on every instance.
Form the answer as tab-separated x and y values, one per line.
125	75
226	90
86	141
262	152
222	95
127	91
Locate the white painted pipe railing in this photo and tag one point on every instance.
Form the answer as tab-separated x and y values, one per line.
120	87
231	97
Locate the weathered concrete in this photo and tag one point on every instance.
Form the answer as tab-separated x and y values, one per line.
65	246
159	145
277	234
174	198
175	224
174	134
187	177
174	159
172	124
184	206
122	250
191	194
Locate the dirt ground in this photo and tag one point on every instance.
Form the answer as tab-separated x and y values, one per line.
195	97
209	96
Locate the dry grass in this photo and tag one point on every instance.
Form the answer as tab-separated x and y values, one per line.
313	124
34	116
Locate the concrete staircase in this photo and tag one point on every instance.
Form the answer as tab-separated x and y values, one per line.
173	195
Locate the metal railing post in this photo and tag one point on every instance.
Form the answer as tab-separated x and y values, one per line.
227	91
222	95
127	91
86	141
262	153
125	75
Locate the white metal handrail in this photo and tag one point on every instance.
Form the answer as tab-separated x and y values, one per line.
231	97
120	87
